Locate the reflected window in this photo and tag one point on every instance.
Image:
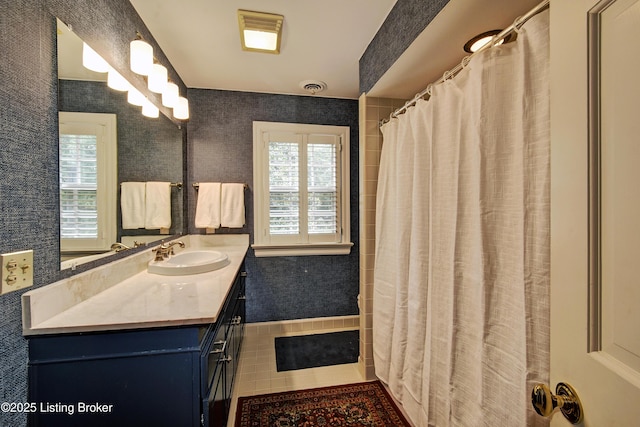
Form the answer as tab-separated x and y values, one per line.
87	181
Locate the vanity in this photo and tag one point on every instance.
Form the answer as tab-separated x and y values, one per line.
119	345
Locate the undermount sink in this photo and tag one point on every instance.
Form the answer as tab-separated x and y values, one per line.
189	262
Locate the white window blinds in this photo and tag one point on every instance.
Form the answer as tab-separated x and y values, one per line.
78	186
322	189
284	188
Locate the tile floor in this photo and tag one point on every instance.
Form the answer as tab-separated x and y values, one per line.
257	368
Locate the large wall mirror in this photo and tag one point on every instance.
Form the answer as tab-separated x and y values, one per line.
139	149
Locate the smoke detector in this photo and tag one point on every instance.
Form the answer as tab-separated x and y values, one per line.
313	86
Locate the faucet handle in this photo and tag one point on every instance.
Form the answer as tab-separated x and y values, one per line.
161	253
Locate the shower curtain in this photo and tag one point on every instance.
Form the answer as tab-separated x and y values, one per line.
461	280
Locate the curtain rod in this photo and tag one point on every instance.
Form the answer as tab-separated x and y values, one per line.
519	21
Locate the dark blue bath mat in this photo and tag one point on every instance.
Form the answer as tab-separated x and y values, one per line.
311	351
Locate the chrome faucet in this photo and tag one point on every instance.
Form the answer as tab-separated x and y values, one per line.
166	249
119	247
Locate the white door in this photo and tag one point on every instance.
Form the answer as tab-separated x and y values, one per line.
595	340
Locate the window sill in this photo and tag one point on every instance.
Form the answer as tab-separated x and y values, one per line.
302	250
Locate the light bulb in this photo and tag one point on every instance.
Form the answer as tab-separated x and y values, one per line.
181	111
157	79
135	97
170	95
93	61
116	81
141	59
150	110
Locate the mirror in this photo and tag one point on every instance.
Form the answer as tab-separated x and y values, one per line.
148	149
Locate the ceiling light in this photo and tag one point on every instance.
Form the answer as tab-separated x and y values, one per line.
141	58
480	40
150	110
157	79
260	31
181	111
92	61
116	81
170	95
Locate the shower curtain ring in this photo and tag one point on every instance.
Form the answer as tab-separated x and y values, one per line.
447	75
517	23
465	61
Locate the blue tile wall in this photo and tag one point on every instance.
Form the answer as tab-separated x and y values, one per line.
407	19
220	144
149	149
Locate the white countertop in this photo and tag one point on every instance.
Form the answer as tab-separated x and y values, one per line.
98	301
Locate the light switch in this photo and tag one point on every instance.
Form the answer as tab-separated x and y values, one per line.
17	271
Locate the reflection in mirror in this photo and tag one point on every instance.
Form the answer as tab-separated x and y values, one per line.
145	150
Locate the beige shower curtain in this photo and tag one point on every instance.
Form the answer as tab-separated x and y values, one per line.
461	290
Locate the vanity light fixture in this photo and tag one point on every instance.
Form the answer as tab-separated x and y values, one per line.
92	61
475	43
141	57
181	111
170	95
260	31
157	81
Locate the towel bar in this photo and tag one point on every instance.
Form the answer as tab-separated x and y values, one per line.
196	185
178	185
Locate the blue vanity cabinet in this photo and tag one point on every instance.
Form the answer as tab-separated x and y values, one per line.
222	359
171	376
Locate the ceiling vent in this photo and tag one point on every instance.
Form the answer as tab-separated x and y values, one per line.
313	86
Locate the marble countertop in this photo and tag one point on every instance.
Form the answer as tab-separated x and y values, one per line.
97	301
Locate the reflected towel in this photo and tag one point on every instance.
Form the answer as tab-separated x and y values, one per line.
158	206
132	204
232	205
208	206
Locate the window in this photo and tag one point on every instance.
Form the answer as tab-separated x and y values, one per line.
87	181
301	182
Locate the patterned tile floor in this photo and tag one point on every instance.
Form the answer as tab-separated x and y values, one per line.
257	370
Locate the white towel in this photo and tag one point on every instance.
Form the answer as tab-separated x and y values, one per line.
158	206
208	206
232	207
132	204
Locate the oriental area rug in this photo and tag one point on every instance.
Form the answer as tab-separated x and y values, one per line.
359	405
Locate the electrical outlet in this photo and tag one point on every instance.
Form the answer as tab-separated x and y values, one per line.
17	271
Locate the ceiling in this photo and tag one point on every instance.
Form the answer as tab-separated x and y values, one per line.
321	41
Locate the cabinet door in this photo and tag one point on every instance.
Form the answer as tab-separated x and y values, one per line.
217	404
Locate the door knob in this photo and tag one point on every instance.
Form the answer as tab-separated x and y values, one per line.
566	398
